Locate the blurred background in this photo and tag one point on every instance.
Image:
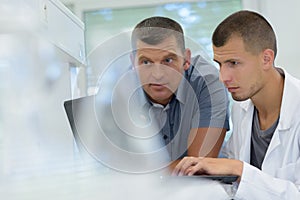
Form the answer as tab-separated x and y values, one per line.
105	19
49	53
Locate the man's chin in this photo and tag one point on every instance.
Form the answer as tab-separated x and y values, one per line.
237	98
161	99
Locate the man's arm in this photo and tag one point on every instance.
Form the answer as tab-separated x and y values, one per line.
211	117
205	142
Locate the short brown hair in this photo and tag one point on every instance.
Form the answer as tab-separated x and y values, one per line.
154	30
255	31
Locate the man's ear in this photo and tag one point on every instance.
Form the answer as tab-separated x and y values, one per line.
187	59
268	58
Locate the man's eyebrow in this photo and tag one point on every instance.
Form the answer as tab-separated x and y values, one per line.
226	61
230	60
172	54
142	57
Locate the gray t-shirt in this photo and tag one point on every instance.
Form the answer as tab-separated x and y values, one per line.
260	140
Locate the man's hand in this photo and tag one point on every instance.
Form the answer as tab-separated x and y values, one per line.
204	165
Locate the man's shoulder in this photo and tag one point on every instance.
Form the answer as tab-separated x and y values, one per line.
202	70
203	73
203	66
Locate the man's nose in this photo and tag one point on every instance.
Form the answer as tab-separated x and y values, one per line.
224	75
158	71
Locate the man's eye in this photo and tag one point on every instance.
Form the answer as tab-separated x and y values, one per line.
168	60
146	62
233	63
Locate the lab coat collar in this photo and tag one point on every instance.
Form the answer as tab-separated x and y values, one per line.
246	105
288	105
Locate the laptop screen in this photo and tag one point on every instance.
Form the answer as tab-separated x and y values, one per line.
96	133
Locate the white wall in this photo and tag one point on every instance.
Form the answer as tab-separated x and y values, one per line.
285	19
283	15
83	5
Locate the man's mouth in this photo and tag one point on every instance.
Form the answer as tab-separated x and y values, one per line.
232	89
157	86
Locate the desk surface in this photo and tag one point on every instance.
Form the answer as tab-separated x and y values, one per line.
58	177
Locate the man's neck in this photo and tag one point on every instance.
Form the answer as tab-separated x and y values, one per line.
268	104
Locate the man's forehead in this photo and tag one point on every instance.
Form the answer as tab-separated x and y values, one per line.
158	49
233	47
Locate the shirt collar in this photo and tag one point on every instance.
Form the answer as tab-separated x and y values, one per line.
180	95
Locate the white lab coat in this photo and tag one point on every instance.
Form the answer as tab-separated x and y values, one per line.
280	174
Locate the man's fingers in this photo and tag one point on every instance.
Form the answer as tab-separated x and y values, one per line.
181	166
187	166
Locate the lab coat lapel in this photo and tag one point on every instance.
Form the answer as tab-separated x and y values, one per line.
271	152
246	127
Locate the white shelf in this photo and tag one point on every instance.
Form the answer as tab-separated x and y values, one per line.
48	19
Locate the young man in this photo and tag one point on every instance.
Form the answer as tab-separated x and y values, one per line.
184	95
264	149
